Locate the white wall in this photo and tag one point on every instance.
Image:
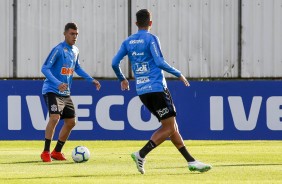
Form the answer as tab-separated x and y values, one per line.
102	26
6	38
199	37
262	38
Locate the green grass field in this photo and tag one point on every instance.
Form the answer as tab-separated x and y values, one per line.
110	162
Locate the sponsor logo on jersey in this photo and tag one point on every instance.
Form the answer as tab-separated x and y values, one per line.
145	88
136	41
141	80
162	112
137	54
65	49
66	71
141	68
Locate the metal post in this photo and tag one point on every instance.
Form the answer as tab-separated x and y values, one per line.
239	38
15	5
129	33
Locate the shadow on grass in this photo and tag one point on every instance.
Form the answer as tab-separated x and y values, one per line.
223	165
245	165
72	176
39	162
177	174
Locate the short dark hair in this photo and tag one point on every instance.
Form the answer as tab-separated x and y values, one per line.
143	18
71	25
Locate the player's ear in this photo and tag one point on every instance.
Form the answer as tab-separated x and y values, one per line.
136	24
150	23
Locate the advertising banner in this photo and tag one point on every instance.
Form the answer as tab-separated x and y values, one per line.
207	110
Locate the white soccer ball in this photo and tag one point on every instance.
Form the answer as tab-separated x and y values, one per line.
80	154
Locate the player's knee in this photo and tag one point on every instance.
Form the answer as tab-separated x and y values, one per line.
54	118
70	122
169	131
172	131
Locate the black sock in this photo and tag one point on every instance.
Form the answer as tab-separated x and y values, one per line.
147	148
186	154
47	144
59	146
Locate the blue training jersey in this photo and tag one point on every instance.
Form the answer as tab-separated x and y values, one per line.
147	62
59	66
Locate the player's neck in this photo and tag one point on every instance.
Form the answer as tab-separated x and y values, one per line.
70	45
144	28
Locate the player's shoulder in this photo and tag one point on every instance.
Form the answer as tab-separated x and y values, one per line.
129	38
57	50
154	37
60	46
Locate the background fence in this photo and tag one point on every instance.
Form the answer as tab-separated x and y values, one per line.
203	38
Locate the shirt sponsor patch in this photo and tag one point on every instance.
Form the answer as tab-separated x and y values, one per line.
141	80
66	71
137	53
145	88
136	41
141	68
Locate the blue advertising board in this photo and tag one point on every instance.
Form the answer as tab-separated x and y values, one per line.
208	110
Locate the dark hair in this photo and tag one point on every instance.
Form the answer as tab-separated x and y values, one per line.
143	18
71	25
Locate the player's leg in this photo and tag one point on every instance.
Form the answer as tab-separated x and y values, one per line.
68	115
157	138
193	165
159	105
178	142
54	107
49	133
166	130
69	123
50	129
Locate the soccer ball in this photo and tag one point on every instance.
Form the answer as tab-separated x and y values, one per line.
80	154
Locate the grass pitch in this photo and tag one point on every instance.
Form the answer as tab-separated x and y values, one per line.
110	162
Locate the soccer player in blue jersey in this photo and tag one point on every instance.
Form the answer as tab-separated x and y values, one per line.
58	69
147	63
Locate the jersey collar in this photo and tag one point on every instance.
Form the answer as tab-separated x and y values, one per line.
143	31
67	45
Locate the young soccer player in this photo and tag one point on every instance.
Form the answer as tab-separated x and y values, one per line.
144	53
58	70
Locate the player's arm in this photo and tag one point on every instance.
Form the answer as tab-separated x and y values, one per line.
50	61
116	67
184	80
161	63
79	70
159	59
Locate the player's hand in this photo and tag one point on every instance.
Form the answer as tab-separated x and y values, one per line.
124	85
97	84
62	87
184	80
